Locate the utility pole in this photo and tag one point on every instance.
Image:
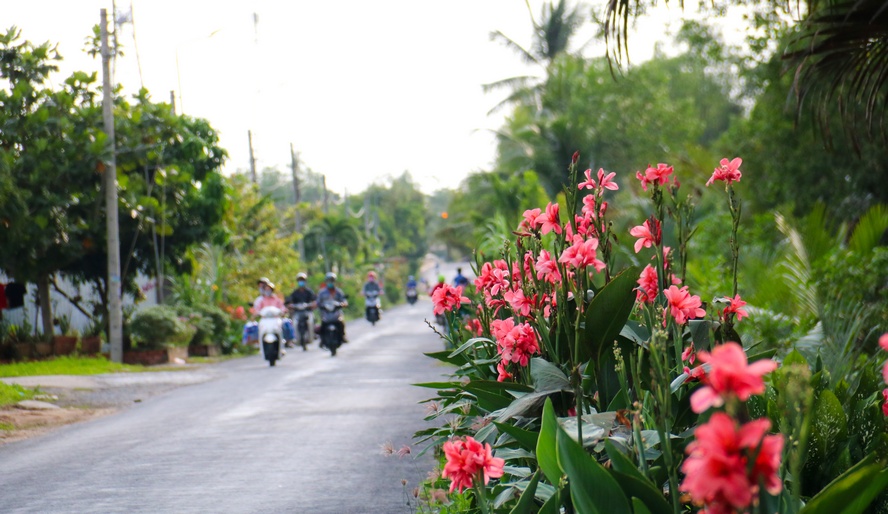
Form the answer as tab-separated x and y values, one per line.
252	159
115	313
173	101
298	196
326	196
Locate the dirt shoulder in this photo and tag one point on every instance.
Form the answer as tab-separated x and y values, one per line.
81	398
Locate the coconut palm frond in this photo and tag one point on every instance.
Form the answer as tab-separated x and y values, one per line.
558	26
508	42
797	268
841	58
519	82
870	229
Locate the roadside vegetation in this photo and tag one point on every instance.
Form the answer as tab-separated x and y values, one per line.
66	366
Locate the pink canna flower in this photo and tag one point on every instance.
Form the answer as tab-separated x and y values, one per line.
656	176
474	327
547	269
682	305
647	236
589	183
468	460
885	402
529	221
549	221
883	341
729	376
648	285
727	172
503	372
515	342
590	207
493	278
607	181
735	308
519	303
582	254
448	298
726	463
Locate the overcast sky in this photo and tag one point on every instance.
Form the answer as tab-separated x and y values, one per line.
363	89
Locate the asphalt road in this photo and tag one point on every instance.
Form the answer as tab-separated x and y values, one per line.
304	436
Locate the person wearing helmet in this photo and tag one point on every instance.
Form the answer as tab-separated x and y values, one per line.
303	295
332	293
442	280
266	297
460	280
371	288
411	282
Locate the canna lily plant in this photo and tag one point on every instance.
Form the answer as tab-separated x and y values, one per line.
581	387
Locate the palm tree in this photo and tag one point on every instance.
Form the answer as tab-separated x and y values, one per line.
841	58
552	37
336	239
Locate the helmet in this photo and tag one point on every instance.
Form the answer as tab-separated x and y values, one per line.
442	278
371	274
301	276
410	277
267	282
330	276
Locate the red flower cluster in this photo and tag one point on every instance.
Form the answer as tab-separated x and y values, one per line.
657	176
726	463
448	298
729	375
728	172
682	305
515	343
735	308
468	460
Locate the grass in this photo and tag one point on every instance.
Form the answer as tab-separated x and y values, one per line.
14	393
65	366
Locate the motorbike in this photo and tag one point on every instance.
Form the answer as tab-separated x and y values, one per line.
371	307
271	334
301	312
329	329
412	296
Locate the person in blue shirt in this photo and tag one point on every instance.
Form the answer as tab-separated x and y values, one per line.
460	279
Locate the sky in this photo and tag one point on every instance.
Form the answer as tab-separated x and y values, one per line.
363	89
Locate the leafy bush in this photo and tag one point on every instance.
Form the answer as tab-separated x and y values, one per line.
159	326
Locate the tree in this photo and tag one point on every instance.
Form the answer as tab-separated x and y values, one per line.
49	159
552	37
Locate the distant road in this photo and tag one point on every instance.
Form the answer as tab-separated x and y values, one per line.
302	437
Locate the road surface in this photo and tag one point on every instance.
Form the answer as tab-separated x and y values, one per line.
304	436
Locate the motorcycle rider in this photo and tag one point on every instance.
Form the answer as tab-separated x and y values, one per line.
303	294
332	293
266	297
410	289
411	282
371	287
441	281
460	279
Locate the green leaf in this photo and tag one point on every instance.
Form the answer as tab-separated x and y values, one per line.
638	507
592	489
547	377
607	313
469	344
546	447
829	426
494	386
641	489
444	356
525	502
487	400
794	357
621	462
552	505
529	404
527	439
701	333
853	491
439	385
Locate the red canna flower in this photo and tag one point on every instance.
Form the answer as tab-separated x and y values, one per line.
727	172
729	375
682	305
549	221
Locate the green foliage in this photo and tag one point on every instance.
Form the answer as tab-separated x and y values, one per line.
65	366
13	393
160	325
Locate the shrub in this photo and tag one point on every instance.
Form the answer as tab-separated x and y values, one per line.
159	326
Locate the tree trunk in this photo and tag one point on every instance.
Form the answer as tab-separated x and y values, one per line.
45	306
